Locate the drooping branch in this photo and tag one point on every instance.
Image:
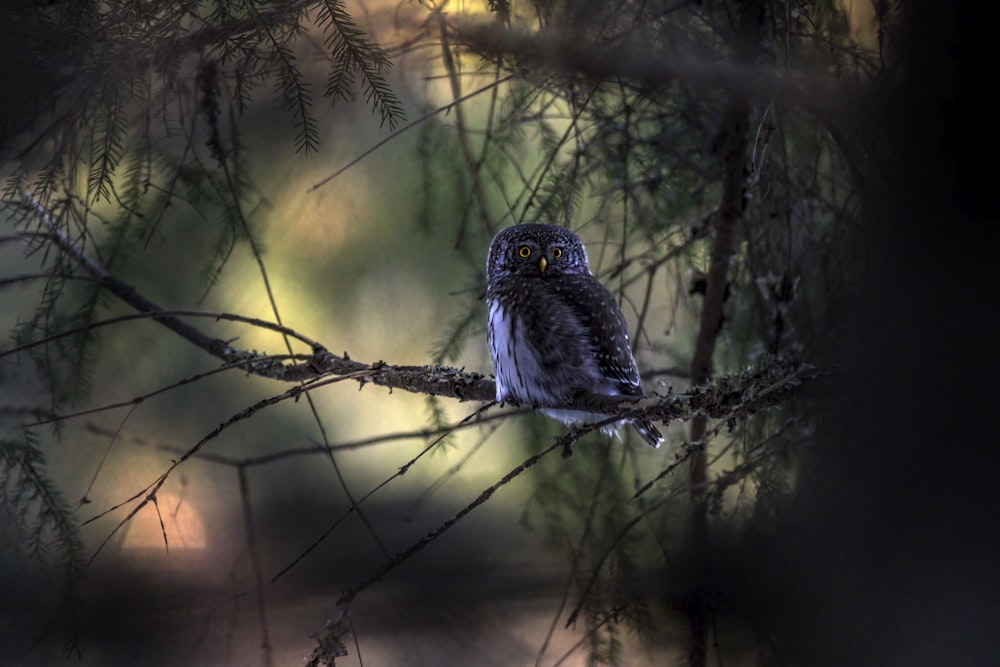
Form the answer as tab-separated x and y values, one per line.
123	291
348	596
572	53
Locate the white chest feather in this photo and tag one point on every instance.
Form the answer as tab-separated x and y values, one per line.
518	370
520	376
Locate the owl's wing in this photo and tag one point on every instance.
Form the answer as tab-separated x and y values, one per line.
602	319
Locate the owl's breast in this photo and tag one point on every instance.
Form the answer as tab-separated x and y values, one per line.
542	354
516	362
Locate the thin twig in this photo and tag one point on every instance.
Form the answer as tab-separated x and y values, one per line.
221	459
613	615
356	505
444	477
104	457
159	515
348	596
564	52
577	554
165	317
254	550
409	126
596	567
142	398
153	487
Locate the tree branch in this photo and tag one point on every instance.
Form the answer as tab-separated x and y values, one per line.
570	52
752	389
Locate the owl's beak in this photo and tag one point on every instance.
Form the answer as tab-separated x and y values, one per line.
542	264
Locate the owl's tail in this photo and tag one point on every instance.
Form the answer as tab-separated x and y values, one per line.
648	432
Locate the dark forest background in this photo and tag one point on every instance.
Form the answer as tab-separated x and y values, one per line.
245	401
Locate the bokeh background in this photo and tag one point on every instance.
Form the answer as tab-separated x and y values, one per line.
864	533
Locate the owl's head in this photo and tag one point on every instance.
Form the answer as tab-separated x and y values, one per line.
534	249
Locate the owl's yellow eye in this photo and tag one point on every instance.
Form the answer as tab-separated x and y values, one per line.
557	252
524	251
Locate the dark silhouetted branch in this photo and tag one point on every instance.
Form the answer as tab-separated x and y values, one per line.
569	52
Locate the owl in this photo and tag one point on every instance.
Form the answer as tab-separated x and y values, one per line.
554	330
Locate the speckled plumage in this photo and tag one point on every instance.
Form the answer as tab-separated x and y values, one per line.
554	329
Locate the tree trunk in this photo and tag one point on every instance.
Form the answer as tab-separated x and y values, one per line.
698	607
701	366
